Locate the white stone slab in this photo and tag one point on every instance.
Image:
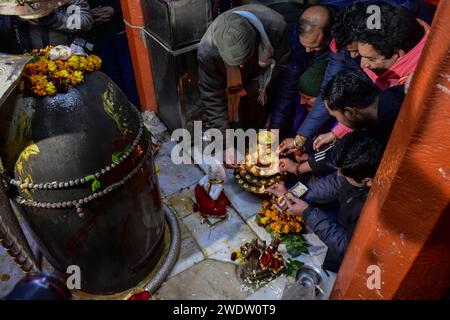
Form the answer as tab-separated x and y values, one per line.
270	291
317	249
220	240
207	280
181	202
190	254
174	177
245	203
260	232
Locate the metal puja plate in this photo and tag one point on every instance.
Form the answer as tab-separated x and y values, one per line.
252	183
259	170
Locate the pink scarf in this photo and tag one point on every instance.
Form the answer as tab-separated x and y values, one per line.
403	67
333	46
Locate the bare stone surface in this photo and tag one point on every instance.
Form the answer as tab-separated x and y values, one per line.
208	280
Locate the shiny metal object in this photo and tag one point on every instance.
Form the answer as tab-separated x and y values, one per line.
173	29
177	23
172	256
309	276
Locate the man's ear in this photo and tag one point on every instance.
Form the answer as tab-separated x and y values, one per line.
350	113
368	182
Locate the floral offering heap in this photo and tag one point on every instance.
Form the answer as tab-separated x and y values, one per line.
53	69
261	263
283	225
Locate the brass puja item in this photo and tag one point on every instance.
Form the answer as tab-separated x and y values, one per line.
259	173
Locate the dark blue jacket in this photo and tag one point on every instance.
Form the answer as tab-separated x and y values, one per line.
336	234
318	116
299	60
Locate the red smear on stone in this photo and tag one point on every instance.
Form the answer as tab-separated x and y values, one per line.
143	295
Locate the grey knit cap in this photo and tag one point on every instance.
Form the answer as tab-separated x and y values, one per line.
235	38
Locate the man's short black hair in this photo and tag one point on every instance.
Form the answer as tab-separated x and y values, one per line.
347	22
357	155
350	89
305	27
399	30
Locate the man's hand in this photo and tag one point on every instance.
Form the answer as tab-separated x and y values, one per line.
301	157
295	205
288	165
102	14
287	146
278	189
323	140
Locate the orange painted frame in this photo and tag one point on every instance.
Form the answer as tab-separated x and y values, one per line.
142	66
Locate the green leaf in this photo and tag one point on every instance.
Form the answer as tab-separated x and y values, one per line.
296	251
89	178
258	218
295	244
275	235
116	156
292	266
95	185
268	229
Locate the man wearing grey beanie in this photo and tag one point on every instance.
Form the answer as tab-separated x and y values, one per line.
240	56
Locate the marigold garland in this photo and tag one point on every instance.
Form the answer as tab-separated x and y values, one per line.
278	222
42	76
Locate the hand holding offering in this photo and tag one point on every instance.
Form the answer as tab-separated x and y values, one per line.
295	205
278	189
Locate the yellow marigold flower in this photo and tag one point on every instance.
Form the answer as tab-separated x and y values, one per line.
96	61
82	63
277	229
64	73
39	90
264	220
76	78
73	62
51	66
50	88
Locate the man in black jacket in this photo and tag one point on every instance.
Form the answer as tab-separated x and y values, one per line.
353	99
356	157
